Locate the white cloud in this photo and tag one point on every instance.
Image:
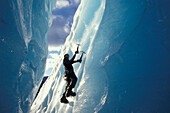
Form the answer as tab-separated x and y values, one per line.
52	60
62	17
50	63
54	48
58	17
57	34
54	55
77	1
62	3
67	27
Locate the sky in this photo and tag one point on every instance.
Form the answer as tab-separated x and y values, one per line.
62	20
62	17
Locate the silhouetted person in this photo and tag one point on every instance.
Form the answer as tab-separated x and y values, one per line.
69	76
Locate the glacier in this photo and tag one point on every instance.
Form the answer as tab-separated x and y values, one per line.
23	28
126	68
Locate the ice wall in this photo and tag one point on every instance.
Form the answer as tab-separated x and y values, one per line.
23	28
138	58
126	68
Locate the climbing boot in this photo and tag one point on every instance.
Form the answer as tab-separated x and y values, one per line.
64	100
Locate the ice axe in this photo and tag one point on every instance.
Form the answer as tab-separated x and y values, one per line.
82	55
78	48
83	52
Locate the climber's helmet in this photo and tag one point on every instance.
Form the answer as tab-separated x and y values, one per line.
66	56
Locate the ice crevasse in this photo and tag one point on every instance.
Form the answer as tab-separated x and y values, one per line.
126	68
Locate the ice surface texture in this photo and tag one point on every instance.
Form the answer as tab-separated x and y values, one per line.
23	28
126	69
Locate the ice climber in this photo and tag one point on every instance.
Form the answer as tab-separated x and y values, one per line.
69	76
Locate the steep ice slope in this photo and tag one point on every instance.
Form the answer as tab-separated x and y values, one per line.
90	97
23	28
126	68
138	57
